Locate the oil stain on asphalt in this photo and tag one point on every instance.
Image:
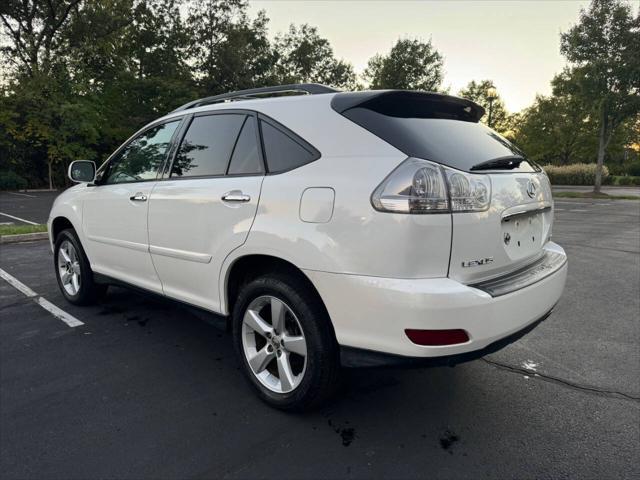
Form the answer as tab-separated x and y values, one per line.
348	434
447	440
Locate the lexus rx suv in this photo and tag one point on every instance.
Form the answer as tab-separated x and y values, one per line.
331	229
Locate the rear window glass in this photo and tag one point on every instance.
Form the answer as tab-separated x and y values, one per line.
455	143
282	151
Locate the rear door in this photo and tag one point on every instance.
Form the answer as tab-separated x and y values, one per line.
206	205
115	210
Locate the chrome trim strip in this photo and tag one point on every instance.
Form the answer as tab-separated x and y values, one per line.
180	254
521	213
540	269
140	247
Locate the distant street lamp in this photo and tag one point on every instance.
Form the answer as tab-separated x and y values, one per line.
492	94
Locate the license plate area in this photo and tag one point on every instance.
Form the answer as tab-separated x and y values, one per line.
522	234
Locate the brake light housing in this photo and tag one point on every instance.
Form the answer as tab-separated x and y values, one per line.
420	186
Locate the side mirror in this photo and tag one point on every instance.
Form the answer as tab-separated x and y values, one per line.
82	171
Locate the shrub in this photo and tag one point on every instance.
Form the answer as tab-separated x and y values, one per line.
11	181
627	180
629	168
633	169
575	174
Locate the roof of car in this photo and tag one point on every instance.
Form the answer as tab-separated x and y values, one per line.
392	101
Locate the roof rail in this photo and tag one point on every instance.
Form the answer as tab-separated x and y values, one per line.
252	93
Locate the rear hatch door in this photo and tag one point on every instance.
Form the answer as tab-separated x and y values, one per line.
508	236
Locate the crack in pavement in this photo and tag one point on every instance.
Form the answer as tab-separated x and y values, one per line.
560	381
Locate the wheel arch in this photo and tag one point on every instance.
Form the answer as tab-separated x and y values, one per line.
250	266
59	224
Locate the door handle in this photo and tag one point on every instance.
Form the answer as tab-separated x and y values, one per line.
138	197
236	196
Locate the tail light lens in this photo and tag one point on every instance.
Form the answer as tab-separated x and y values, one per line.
420	186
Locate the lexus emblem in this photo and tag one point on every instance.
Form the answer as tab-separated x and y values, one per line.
531	189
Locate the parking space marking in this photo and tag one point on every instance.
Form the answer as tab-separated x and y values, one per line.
18	218
579	210
17	284
22	194
43	302
58	313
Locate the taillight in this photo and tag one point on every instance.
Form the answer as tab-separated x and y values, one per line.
420	186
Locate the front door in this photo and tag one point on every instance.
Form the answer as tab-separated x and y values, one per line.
115	211
206	207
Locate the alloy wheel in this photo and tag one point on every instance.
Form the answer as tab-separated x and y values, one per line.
69	268
274	344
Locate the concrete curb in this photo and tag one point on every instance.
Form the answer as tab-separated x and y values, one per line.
23	237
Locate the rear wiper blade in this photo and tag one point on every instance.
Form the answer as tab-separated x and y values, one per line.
502	163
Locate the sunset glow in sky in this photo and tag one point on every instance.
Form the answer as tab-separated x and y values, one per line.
514	43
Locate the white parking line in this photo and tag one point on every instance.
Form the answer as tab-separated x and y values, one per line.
17	284
22	194
43	302
579	210
58	313
18	218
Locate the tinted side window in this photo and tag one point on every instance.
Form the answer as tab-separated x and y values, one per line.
142	157
282	151
207	145
245	159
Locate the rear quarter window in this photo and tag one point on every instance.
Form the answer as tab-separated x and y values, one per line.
284	150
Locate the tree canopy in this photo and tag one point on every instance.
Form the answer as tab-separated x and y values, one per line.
410	64
478	92
604	72
80	76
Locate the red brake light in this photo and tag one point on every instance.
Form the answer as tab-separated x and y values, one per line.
437	337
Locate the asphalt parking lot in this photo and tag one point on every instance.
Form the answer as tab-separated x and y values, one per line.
147	389
25	207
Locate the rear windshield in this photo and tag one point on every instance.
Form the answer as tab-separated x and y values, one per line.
455	143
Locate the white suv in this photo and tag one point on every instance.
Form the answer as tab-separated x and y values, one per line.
358	229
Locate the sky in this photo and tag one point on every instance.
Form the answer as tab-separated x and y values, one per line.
514	43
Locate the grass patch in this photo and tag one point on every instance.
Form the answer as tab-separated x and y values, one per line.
594	195
19	229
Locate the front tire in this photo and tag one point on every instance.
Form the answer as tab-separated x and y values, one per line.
73	272
285	342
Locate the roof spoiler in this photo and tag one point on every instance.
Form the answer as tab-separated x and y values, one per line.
407	103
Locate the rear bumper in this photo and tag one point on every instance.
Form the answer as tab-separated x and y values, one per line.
372	313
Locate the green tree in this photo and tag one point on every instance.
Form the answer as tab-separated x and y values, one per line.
37	80
245	58
557	130
302	55
209	23
411	65
33	28
604	68
479	92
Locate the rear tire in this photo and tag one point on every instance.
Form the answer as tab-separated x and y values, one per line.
285	342
73	272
